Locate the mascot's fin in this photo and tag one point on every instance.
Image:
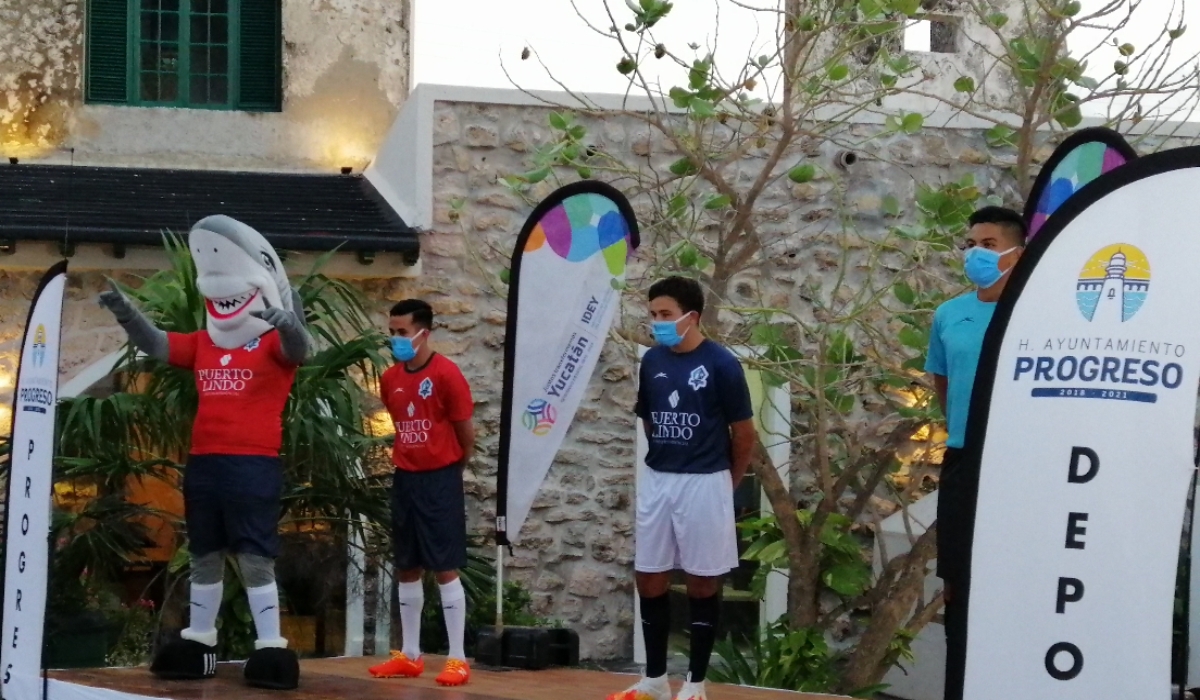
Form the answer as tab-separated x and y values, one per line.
1083	157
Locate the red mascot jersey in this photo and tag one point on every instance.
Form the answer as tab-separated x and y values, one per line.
425	405
242	393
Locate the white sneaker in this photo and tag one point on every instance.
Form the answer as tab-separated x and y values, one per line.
692	691
646	689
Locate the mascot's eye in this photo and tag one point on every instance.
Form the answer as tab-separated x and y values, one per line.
266	258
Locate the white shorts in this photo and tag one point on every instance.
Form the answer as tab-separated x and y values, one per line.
685	521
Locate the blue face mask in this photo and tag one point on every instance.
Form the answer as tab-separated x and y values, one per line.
403	348
982	266
667	332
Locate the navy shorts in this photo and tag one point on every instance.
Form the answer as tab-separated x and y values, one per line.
233	503
429	519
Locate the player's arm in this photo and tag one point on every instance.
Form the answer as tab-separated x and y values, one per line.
940	385
464	430
935	362
743	435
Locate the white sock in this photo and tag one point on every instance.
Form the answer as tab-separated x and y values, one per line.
454	607
412	601
264	607
206	605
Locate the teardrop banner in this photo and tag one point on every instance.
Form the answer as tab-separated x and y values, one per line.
27	516
1081	427
565	282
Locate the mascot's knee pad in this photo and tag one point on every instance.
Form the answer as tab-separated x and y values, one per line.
257	571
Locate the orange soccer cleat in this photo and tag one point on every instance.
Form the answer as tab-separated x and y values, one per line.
456	672
399	666
646	689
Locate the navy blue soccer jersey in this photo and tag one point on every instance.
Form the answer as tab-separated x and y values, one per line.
689	401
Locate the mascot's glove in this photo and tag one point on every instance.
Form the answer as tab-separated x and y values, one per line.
281	319
116	302
293	337
142	333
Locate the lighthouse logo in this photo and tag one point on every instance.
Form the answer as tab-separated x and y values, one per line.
1113	284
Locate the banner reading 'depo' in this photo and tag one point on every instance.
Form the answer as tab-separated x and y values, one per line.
27	515
567	272
1082	425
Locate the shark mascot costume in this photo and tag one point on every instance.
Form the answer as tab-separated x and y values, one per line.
245	363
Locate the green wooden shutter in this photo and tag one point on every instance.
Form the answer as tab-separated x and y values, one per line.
260	62
108	51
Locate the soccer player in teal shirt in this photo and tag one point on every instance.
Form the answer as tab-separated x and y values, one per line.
994	243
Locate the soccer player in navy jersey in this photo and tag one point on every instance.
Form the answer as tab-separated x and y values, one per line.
695	408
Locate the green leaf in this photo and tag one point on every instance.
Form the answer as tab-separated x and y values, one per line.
702	109
838	72
913	338
841	349
626	66
682	167
887	80
718	201
904	293
535	176
997	19
1072	8
912	123
559	121
891	206
1125	49
802	173
584	172
680	97
1001	136
1177	32
698	74
965	84
506	276
676	206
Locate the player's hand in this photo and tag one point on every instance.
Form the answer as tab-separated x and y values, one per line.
277	317
116	302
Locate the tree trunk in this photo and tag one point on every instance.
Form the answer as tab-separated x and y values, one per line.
890	609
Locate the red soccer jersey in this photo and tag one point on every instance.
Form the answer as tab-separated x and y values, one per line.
242	393
425	405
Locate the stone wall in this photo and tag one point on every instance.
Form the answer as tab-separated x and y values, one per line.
346	72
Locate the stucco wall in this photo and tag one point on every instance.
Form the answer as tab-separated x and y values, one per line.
346	72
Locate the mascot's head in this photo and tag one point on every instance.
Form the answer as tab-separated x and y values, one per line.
237	271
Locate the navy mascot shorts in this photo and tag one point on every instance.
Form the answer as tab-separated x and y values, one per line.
233	503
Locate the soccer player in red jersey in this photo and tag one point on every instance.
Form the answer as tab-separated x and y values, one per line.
430	403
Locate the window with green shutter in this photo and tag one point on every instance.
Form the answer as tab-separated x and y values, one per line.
202	54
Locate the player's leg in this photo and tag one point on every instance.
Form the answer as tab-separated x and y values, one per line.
441	525
410	591
194	656
655	556
253	506
707	535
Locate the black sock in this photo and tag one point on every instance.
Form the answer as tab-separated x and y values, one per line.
656	626
705	612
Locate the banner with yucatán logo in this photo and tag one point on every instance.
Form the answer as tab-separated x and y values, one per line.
27	515
568	269
1081	426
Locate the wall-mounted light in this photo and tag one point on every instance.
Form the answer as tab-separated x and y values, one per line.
346	169
7	246
366	257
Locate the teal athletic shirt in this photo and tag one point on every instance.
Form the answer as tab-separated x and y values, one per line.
954	346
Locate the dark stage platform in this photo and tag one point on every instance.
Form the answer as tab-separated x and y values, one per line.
325	679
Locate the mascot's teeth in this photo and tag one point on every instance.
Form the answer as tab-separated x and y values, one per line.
231	303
